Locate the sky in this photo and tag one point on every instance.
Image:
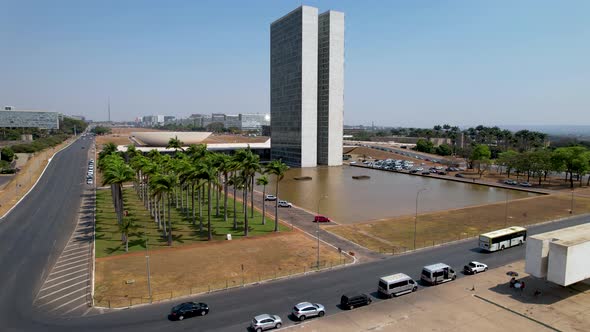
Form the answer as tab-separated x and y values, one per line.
407	63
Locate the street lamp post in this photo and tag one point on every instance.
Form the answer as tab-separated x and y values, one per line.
506	209
147	262
318	232
572	206
416	218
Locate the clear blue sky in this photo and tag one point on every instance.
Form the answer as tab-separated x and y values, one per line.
408	63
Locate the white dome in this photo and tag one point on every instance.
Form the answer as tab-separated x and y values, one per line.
161	138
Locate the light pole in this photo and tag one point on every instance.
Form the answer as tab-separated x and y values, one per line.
506	209
318	232
572	207
416	218
147	262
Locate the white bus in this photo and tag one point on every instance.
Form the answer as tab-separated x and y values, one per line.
503	238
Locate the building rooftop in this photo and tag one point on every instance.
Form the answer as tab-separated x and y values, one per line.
567	236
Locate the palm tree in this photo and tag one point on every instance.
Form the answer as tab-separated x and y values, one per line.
107	149
115	173
175	143
263	181
236	182
164	184
278	168
125	228
249	164
209	173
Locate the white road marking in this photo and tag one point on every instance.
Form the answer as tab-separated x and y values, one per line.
64	304
61	289
59	283
70	263
65	275
72	254
83	304
73	267
79	248
59	261
61	297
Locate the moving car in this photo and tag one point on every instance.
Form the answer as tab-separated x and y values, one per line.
266	322
188	309
304	310
474	267
270	198
525	184
510	182
396	284
285	204
350	301
321	219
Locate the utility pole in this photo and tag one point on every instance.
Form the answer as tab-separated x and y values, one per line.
147	262
318	232
506	209
109	109
416	218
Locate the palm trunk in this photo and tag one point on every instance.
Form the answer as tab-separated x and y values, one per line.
225	197
263	205
217	200
164	214
235	210
126	243
200	212
193	202
187	198
209	233
246	209
277	206
252	197
169	223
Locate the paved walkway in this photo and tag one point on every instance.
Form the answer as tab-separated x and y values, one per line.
483	302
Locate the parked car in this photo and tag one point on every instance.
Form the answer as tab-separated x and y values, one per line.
475	267
285	204
510	182
419	169
437	273
266	322
304	310
188	309
350	301
525	184
396	284
352	163
426	173
270	198
321	219
442	173
459	175
414	171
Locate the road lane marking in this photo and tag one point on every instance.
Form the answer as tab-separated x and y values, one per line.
72	254
83	304
59	283
68	259
73	267
65	275
70	263
61	297
64	304
79	248
61	289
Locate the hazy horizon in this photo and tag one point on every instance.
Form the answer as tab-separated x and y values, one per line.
408	64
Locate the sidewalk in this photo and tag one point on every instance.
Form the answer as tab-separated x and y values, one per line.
483	302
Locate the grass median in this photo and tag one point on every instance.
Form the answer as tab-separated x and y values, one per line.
396	235
108	236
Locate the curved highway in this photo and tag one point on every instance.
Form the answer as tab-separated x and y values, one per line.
36	231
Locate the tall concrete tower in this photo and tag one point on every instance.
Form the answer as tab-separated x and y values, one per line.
307	110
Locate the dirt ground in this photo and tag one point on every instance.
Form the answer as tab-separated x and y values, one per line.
120	136
394	235
121	280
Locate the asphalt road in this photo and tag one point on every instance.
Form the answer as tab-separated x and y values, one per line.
37	230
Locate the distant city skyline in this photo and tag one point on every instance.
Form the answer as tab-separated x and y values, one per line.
409	64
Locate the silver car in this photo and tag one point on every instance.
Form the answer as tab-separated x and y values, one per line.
306	309
266	322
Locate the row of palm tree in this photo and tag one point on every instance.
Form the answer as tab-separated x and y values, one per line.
185	181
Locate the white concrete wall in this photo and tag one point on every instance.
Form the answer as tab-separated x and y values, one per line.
568	263
336	86
537	251
309	86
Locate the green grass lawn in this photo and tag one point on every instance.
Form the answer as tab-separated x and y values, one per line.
108	237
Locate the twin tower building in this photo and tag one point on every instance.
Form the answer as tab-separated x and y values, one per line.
307	87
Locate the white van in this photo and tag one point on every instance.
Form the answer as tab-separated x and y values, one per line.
397	284
438	273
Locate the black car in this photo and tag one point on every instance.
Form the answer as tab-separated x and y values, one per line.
188	309
426	173
350	301
413	171
442	173
459	175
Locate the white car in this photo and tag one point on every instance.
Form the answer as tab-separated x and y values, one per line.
270	198
285	204
475	267
304	310
266	322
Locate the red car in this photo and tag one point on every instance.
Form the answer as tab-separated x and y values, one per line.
321	219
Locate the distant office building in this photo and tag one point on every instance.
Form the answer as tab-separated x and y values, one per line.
251	122
307	80
11	118
169	118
